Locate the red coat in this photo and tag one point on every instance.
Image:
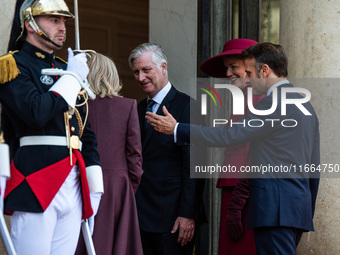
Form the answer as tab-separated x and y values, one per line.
115	122
235	156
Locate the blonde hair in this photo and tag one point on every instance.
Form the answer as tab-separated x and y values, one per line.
103	76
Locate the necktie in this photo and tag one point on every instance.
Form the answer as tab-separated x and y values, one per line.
150	105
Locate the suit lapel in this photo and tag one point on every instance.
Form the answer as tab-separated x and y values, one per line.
167	103
141	114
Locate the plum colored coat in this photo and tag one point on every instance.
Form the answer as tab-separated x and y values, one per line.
115	122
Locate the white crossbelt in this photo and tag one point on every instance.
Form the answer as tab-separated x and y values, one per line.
44	140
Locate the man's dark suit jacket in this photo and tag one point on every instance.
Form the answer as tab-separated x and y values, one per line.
288	201
166	190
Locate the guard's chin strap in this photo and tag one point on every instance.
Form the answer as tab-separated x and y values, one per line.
38	30
44	36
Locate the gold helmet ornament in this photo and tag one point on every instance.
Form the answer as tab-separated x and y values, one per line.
31	8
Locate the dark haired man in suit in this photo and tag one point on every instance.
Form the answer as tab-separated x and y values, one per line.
281	206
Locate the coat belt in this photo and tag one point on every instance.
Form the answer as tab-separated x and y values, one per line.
44	140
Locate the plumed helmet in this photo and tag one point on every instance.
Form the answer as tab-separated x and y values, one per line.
32	8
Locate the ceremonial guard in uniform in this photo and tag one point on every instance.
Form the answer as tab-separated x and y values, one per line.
56	178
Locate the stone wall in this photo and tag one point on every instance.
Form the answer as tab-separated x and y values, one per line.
309	31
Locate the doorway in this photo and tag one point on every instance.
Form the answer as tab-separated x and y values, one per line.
113	28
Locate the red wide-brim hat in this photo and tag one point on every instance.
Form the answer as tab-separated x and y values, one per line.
215	67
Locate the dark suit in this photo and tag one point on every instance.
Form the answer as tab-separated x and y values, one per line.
282	199
166	190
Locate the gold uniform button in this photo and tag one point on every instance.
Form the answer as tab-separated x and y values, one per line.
73	129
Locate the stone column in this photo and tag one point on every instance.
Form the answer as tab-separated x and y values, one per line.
6	18
173	25
309	31
220	32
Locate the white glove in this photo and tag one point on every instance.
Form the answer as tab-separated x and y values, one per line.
3	180
95	200
77	64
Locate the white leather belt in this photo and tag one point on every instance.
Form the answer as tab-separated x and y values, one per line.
44	140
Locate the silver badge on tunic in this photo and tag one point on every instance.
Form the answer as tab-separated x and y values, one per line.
47	80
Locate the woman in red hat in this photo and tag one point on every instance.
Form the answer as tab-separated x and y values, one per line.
234	237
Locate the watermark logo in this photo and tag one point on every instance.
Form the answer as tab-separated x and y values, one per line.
204	96
238	104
